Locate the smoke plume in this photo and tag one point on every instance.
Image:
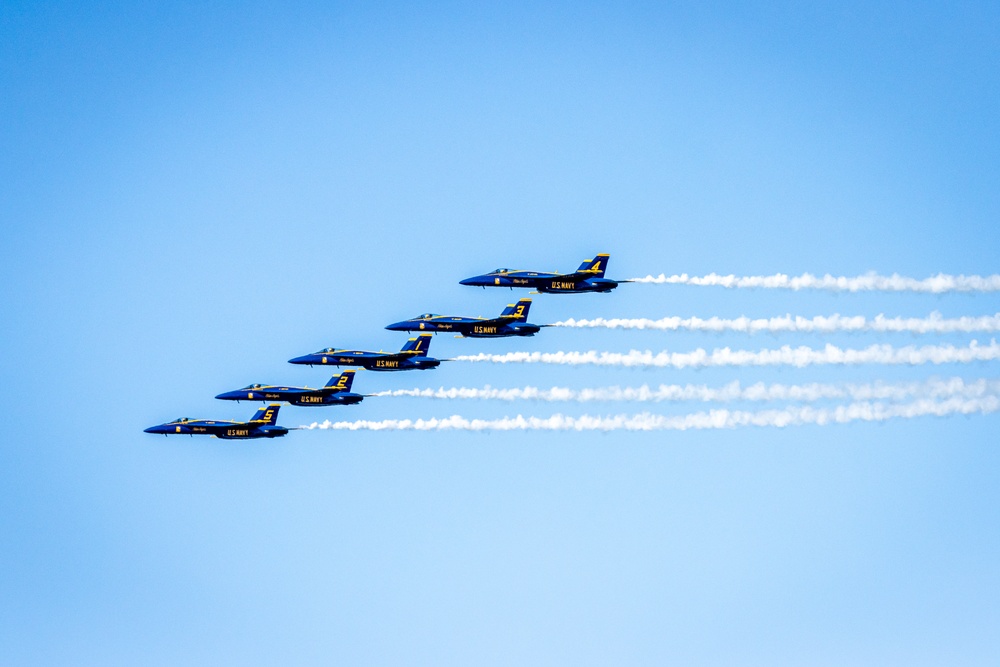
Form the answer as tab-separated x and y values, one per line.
870	282
934	323
733	391
712	419
784	356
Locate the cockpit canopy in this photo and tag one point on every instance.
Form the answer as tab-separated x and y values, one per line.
253	386
502	271
427	316
327	350
182	419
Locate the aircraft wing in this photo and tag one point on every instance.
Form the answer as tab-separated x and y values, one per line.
534	275
295	392
576	275
497	321
359	354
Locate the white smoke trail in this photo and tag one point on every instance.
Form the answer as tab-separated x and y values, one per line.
934	323
784	356
713	419
870	282
733	391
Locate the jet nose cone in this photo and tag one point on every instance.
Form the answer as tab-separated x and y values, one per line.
470	281
153	429
397	326
228	395
300	360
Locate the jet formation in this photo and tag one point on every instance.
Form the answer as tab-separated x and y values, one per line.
512	321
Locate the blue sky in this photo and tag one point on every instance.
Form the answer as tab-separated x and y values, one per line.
194	194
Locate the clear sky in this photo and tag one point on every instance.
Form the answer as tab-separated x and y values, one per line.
191	194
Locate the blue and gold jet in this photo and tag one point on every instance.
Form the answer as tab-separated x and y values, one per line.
261	425
336	392
413	356
588	278
513	321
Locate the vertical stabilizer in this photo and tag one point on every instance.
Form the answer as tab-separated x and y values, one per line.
419	346
341	382
267	414
596	266
517	311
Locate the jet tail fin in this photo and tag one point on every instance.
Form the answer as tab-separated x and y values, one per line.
517	311
267	414
341	382
418	346
596	266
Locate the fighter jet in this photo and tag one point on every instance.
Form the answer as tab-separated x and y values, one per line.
261	425
336	392
513	321
588	278
412	356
